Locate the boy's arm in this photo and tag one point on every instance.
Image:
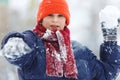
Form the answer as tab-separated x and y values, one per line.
21	48
110	53
109	50
110	57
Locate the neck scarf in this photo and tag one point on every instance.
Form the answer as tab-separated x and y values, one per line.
59	55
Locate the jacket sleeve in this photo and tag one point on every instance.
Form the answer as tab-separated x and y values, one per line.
110	57
33	41
88	65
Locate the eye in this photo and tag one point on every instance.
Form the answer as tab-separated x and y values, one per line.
60	15
50	15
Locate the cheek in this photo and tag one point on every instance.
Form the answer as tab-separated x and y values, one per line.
63	23
45	23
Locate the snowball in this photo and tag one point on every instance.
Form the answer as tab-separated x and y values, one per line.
109	15
15	47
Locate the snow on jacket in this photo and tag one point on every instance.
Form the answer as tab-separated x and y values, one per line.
32	66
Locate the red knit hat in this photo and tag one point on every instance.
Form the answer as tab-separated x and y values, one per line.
47	7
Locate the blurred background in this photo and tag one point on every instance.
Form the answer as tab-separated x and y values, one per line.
20	15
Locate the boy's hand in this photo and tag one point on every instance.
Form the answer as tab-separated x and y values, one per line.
109	34
15	48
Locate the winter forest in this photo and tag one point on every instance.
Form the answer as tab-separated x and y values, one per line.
20	15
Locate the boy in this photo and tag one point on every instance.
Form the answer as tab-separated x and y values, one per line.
47	53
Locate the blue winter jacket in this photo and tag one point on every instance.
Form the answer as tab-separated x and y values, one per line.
32	66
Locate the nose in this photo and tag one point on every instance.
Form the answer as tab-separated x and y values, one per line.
55	19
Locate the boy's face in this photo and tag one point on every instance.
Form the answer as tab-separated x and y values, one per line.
54	22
